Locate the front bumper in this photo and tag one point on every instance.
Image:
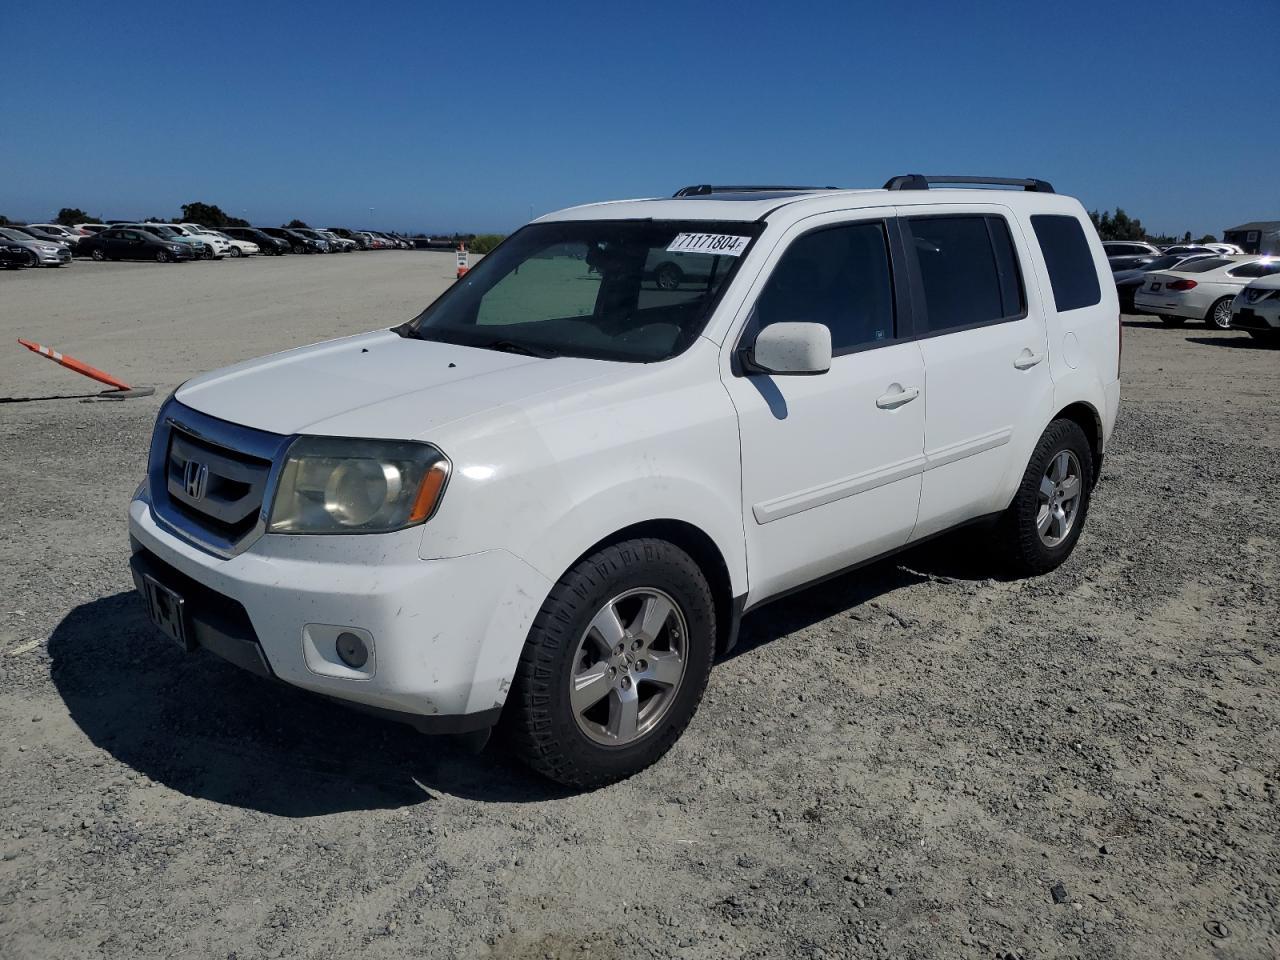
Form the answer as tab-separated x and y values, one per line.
54	259
444	635
1262	315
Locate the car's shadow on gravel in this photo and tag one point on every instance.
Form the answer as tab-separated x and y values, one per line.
207	729
961	555
1243	343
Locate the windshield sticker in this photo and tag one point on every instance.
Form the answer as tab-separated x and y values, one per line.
718	244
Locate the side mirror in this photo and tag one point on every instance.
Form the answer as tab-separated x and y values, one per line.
792	348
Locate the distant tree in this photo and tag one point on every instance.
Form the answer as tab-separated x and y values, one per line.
1186	237
1208	238
208	215
4	221
296	224
69	215
1117	226
484	242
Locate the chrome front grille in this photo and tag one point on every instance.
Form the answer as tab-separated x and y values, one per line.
211	481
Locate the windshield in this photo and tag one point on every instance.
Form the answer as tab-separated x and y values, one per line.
13	235
610	289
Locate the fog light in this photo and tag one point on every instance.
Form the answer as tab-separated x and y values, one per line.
352	651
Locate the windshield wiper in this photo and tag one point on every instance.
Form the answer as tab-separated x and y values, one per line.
510	346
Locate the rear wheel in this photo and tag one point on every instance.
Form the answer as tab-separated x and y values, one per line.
1042	524
98	254
614	666
1219	315
162	256
668	276
1171	321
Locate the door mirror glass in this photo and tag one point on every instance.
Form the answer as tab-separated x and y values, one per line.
792	348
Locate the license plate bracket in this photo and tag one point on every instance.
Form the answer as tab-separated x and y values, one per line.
168	612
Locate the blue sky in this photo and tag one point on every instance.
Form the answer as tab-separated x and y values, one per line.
444	116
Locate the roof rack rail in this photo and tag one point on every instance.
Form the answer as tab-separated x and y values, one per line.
917	181
704	189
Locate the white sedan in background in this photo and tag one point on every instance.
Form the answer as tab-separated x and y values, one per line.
1257	309
239	248
1202	290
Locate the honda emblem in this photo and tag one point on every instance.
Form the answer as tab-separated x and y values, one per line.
195	478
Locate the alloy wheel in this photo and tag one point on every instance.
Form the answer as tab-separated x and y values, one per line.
1060	490
1221	316
628	667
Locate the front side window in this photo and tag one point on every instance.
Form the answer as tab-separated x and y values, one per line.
629	290
969	271
839	277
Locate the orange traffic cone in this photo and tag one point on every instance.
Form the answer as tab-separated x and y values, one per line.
82	368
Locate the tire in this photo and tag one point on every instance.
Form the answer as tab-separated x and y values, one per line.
299	248
33	259
668	276
1219	315
206	254
235	252
593	744
1171	321
162	256
1032	540
98	254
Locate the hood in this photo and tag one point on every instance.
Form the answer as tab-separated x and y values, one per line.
378	385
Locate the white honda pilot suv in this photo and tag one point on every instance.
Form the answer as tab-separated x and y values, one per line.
546	501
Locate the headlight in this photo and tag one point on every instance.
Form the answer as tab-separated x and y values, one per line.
340	485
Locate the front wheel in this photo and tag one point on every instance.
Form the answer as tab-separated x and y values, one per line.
98	254
614	666
33	259
162	256
1219	315
235	252
1041	526
1172	321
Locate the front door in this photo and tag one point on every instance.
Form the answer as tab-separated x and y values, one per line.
831	463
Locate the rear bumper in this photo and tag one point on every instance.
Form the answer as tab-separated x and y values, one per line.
1164	305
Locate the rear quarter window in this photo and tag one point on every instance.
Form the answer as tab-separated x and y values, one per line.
1066	253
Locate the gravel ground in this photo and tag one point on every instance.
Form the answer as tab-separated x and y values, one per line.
914	761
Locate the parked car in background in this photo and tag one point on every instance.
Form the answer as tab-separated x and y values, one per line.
239	248
1127	254
1224	248
167	231
358	239
57	233
374	242
39	252
319	237
89	229
1202	290
221	245
1185	249
13	256
1128	282
298	242
341	244
136	243
1256	309
269	245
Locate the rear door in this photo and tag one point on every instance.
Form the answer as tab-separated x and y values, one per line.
830	463
985	356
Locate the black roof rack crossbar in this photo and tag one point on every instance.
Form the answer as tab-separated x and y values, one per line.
703	189
917	181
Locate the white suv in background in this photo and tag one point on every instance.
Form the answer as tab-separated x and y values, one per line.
547	500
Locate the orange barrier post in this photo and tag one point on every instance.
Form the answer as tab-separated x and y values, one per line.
462	260
71	363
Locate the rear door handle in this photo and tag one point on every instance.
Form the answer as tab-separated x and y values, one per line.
1027	359
896	398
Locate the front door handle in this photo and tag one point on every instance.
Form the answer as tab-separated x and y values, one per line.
1027	359
896	397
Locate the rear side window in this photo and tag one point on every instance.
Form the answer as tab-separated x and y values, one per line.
1263	268
1066	254
969	271
839	277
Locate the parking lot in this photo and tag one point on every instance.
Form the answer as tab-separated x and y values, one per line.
916	760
